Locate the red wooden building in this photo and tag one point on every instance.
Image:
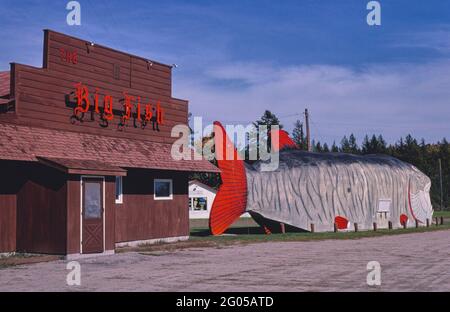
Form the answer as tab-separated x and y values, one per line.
85	142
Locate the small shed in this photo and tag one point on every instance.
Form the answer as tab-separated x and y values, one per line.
201	198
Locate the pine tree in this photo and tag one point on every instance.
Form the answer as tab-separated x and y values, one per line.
334	147
318	147
352	145
268	119
298	135
345	145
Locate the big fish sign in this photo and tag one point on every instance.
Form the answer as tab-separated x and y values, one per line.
133	108
320	191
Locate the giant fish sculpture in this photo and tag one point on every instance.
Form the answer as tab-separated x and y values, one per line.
319	191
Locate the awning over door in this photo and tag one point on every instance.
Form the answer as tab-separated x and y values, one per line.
88	167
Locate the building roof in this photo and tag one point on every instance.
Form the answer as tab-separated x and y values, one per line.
203	185
26	143
4	87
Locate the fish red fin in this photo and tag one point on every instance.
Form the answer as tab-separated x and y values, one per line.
403	219
341	223
231	199
284	141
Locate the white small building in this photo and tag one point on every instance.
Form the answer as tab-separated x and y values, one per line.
201	198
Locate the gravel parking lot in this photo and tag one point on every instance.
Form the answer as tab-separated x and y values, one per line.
410	262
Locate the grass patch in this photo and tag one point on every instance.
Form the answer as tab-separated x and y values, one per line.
445	214
199	239
306	236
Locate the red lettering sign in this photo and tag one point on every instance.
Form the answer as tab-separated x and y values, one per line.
67	56
132	108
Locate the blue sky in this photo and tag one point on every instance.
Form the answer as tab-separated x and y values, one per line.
238	58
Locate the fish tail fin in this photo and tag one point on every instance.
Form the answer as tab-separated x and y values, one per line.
231	199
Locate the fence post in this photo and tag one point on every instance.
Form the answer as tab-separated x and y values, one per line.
417	223
335	227
356	226
428	222
375	226
437	221
312	227
442	220
404	224
390	225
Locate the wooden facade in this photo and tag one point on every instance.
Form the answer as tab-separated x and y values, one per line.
50	151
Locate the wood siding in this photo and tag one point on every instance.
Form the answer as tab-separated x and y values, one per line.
41	210
41	94
7	222
140	217
10	183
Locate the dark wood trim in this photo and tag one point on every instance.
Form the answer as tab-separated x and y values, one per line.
45	55
81	171
97	172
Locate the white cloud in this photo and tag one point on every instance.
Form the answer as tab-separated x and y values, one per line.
393	100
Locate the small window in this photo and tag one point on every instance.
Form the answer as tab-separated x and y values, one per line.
119	191
163	189
200	204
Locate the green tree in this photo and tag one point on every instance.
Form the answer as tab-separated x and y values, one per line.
298	135
334	147
345	145
352	145
269	119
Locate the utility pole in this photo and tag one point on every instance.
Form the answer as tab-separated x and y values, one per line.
440	180
308	134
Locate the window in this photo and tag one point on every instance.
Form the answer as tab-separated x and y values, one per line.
119	191
163	189
199	204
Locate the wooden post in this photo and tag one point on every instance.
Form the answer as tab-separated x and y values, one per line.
440	180
356	226
375	226
428	222
312	227
308	132
442	220
417	223
335	228
283	228
390	225
404	224
437	221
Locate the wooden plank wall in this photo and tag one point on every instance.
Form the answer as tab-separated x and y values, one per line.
41	93
73	215
10	183
7	222
41	210
140	217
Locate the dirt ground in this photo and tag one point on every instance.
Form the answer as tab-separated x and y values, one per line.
410	262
